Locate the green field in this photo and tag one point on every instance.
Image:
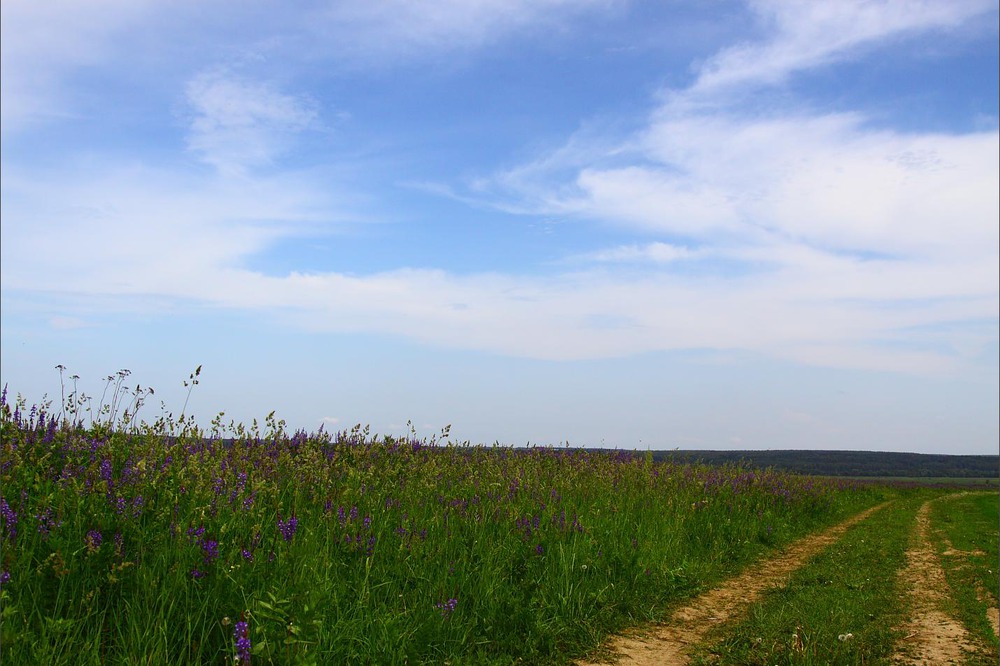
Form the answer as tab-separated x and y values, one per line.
165	544
941	481
152	547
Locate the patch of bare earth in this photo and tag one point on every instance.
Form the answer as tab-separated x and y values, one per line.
669	643
932	636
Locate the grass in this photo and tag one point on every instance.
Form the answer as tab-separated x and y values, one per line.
934	481
840	608
965	534
165	544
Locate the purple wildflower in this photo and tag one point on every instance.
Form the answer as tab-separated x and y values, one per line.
288	527
241	635
211	550
46	523
93	541
9	519
4	577
446	608
106	471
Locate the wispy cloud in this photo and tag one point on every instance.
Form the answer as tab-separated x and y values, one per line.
816	210
817	237
804	35
240	124
144	230
63	322
41	42
656	252
823	180
405	28
44	44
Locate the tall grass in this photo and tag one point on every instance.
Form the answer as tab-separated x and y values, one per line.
169	545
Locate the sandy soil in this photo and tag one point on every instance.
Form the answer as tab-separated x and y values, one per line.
668	644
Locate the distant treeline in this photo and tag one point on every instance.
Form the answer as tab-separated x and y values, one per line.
849	463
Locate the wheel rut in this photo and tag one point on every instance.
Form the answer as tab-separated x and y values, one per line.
669	643
931	635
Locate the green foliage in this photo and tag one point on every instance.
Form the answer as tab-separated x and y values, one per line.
134	543
922	467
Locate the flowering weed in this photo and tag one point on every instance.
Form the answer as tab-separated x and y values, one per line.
352	547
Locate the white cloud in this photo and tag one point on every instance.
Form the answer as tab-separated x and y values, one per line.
41	42
653	199
44	44
66	323
394	28
834	242
138	230
822	180
809	34
240	124
655	252
844	238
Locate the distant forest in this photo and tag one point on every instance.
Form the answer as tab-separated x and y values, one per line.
849	463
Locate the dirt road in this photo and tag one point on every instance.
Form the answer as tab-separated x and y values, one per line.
668	644
932	636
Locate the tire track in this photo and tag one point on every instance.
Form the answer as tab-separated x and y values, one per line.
668	644
931	635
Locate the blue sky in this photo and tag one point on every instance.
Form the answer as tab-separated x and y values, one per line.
752	225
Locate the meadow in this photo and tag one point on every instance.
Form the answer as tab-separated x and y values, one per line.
162	543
